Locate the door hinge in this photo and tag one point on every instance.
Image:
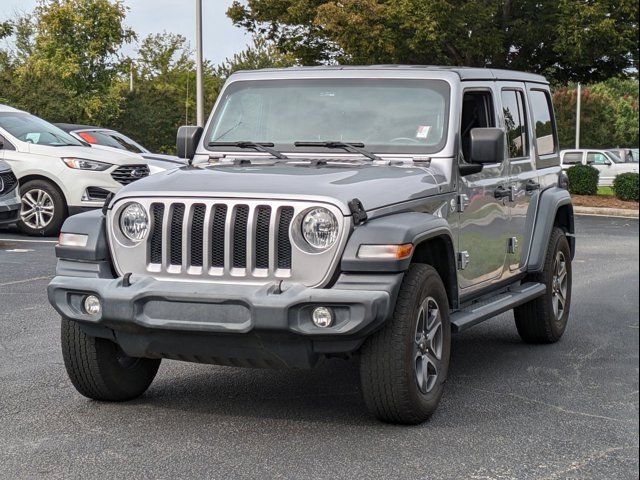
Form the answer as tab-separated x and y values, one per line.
512	245
463	260
462	200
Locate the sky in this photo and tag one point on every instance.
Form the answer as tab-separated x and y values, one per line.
220	38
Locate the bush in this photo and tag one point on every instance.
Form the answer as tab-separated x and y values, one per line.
583	180
626	186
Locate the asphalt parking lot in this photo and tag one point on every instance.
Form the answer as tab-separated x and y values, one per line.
568	410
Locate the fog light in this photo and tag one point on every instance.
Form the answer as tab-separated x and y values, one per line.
92	305
322	317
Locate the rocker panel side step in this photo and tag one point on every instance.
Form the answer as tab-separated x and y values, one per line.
480	311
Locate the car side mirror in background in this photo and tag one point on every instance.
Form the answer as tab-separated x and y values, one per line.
187	141
487	145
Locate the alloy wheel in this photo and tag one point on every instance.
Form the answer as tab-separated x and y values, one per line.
559	285
428	345
37	209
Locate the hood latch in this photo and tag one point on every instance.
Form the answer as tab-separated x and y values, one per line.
357	211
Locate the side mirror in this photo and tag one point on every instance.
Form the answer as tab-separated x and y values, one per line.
187	141
487	145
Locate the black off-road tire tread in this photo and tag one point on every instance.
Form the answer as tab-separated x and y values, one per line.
386	394
533	319
81	359
56	224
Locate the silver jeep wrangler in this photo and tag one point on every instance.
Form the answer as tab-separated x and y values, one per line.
364	212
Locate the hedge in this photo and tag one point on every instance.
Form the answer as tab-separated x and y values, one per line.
626	186
583	180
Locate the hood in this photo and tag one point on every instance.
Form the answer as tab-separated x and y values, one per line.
101	154
376	186
159	157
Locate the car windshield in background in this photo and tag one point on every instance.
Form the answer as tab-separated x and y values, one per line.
110	139
615	157
30	129
387	116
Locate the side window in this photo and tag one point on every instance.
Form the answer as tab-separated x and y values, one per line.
542	117
572	158
477	112
516	123
597	158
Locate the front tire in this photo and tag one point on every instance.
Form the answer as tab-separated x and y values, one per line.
43	209
100	370
403	367
544	319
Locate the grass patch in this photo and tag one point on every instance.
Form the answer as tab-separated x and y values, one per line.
606	191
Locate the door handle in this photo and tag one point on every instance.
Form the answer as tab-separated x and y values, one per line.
501	192
531	186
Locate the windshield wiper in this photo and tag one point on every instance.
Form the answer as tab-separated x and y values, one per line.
261	147
350	147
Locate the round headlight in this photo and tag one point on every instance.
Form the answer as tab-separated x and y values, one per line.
134	222
320	228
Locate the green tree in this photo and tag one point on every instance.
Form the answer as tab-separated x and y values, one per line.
66	60
564	39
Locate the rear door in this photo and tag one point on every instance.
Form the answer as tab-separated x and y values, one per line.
523	177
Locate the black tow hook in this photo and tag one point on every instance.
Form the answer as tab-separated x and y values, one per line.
126	280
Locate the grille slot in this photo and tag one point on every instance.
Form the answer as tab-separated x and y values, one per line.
130	173
284	244
175	242
8	182
197	235
217	235
240	236
155	241
261	241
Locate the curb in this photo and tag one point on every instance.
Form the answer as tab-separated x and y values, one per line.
606	212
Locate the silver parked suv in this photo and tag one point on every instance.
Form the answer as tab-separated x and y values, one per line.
334	212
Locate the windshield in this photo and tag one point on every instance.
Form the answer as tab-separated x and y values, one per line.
614	157
30	129
110	139
387	116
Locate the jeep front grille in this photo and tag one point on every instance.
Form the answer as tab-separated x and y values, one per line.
250	243
222	240
130	173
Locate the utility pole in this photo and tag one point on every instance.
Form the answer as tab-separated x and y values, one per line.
578	106
131	76
199	92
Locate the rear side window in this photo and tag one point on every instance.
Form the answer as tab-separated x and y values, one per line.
516	123
572	158
542	117
597	158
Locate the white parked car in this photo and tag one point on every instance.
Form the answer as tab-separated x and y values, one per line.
59	175
608	163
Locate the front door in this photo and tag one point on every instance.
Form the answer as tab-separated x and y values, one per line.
484	220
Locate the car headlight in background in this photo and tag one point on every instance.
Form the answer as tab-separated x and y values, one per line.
134	222
83	164
320	228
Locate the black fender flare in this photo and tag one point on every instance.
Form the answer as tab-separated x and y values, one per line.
551	201
93	225
394	229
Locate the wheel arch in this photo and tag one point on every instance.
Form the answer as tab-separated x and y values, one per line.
433	245
30	177
554	210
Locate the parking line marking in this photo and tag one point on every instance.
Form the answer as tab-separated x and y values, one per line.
24	240
25	281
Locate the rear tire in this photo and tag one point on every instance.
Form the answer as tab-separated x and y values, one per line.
43	209
403	367
100	370
544	319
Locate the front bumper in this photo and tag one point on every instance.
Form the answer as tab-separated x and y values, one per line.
9	208
228	324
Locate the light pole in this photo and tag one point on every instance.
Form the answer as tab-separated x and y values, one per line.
578	105
199	92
